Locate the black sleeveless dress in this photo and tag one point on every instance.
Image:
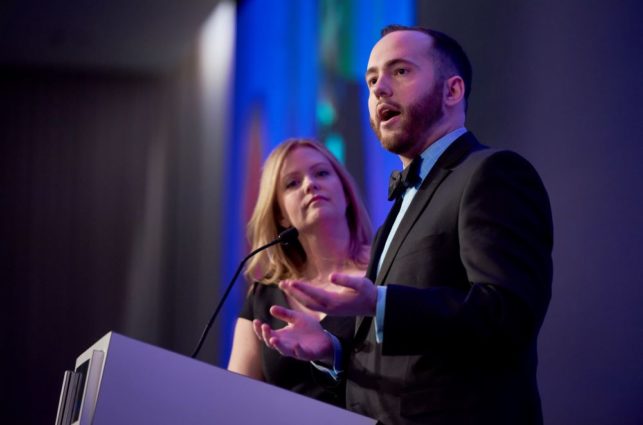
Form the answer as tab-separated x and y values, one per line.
286	372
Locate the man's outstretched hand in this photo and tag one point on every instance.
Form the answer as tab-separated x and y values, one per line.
303	338
346	296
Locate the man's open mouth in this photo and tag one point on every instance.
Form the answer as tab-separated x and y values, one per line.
386	112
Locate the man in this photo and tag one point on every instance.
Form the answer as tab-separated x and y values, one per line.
461	268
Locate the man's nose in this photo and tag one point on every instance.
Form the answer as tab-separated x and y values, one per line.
382	87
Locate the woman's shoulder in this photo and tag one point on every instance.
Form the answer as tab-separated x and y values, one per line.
262	292
258	287
259	298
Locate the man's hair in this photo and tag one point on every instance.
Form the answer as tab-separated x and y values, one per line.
449	54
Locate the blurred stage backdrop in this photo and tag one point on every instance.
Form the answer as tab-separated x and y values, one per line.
132	135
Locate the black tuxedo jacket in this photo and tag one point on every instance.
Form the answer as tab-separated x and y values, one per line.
468	278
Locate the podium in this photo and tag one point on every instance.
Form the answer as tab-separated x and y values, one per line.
119	380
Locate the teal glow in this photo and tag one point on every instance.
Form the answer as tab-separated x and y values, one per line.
325	113
335	144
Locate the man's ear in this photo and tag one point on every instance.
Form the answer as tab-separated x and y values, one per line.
453	90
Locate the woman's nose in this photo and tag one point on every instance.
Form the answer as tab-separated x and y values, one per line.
310	184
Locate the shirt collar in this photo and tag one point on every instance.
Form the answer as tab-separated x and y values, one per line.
431	154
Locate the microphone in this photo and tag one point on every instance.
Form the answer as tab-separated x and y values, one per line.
287	236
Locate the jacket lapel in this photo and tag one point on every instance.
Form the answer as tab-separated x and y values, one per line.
460	148
371	269
428	187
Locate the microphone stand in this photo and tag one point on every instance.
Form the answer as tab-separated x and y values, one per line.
285	237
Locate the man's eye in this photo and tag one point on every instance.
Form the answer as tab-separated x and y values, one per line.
401	71
371	81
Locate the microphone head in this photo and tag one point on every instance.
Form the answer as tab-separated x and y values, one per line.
288	235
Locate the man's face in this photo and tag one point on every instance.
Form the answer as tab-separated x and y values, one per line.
405	100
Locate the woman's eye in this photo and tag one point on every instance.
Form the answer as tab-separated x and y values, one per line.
323	173
291	183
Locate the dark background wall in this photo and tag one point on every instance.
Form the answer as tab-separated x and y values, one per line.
559	82
101	223
109	186
109	215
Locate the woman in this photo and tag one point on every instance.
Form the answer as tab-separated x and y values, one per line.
302	186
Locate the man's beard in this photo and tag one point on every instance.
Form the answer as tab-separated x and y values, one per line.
415	122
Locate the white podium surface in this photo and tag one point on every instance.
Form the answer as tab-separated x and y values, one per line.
137	383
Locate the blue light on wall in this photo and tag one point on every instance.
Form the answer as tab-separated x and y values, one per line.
289	82
335	143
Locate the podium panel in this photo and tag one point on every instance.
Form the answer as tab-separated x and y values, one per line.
124	381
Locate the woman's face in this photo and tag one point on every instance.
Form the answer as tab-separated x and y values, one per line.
309	190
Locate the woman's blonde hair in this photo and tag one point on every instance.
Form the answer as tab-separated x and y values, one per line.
287	261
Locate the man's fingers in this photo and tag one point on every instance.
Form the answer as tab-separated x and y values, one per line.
256	327
285	314
294	289
283	348
347	281
312	297
266	334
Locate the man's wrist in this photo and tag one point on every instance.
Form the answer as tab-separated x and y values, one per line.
336	367
379	315
375	298
329	354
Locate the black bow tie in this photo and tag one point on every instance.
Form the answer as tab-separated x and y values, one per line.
400	181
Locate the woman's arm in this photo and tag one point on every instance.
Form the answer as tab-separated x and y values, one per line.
246	351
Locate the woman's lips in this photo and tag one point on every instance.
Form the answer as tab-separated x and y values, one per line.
316	198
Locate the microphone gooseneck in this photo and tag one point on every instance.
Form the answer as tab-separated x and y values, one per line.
287	236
